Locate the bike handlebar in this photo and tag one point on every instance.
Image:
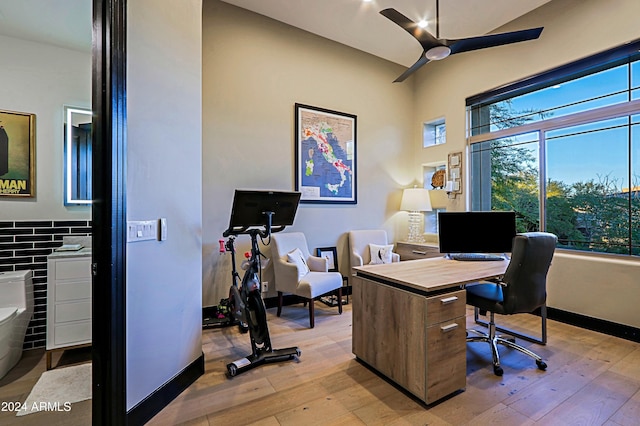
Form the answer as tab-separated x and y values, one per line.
268	229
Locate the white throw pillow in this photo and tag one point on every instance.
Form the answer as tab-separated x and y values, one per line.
296	257
380	254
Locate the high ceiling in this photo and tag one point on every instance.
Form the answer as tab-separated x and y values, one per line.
356	23
64	23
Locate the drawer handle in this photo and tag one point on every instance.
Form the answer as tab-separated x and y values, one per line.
448	300
418	252
448	328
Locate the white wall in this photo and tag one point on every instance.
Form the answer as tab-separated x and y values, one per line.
573	29
41	79
255	70
164	179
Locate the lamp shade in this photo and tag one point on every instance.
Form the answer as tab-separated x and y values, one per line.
415	200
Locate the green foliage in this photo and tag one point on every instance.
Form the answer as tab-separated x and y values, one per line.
592	215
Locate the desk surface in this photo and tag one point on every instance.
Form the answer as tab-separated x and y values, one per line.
433	274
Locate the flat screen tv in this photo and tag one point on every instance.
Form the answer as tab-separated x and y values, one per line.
476	232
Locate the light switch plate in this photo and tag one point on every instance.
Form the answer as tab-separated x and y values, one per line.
142	230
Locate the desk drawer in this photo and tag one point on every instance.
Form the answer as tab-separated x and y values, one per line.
446	358
409	251
446	307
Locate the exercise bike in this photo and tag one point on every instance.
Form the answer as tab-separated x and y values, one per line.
255	213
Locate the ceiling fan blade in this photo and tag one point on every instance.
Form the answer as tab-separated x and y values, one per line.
425	39
420	62
492	40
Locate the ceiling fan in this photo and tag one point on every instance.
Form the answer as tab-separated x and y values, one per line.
435	48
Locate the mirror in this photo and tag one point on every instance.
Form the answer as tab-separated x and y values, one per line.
77	154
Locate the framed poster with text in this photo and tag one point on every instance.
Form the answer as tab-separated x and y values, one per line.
325	149
17	154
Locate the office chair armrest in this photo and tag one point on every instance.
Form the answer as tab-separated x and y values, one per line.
497	280
318	264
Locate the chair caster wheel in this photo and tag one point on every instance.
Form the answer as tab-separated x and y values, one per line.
232	369
498	371
541	365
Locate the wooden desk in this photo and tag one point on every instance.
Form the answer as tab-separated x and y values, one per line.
409	321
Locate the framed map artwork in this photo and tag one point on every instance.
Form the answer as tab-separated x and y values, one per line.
325	145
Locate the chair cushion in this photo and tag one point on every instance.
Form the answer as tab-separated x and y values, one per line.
315	284
486	296
296	257
380	253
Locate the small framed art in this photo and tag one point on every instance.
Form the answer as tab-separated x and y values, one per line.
331	254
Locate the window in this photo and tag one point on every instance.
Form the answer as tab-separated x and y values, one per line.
431	220
564	153
434	133
505	176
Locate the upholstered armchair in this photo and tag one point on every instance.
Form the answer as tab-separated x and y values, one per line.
297	272
363	243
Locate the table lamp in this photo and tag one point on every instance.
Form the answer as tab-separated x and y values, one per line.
415	201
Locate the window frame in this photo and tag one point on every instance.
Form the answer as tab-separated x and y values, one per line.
625	54
430	133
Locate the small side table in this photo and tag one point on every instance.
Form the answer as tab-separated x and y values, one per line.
413	251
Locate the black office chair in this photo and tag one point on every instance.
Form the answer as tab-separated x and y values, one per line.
521	290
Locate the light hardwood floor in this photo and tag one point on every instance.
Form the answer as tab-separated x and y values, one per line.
592	379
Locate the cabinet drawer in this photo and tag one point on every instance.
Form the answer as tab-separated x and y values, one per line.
73	269
446	358
446	307
73	291
74	311
409	251
72	334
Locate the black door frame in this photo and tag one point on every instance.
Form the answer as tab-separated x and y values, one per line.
109	104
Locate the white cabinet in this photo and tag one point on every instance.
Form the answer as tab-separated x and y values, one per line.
68	302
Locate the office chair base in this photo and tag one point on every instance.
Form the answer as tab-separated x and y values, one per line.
494	341
543	326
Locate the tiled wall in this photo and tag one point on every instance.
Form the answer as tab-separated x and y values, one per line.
26	245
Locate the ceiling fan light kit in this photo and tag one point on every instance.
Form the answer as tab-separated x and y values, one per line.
437	53
435	48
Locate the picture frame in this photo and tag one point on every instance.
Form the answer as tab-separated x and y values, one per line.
325	153
17	154
331	254
454	172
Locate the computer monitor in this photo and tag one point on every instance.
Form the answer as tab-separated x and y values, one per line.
476	232
249	207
